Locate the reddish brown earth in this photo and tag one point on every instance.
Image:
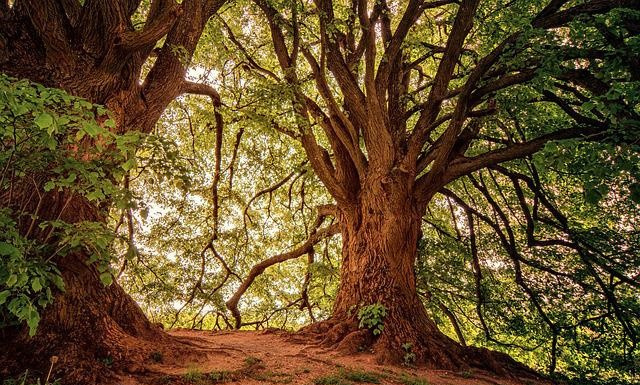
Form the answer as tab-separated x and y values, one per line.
277	357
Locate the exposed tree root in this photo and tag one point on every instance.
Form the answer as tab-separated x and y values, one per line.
420	345
95	332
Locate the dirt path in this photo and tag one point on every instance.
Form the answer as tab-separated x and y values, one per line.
275	357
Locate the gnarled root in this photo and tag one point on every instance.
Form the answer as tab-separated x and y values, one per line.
412	343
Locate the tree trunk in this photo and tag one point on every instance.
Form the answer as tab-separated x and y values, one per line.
94	330
380	237
92	49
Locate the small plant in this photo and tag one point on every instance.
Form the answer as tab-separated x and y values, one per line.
466	374
412	380
220	376
409	357
372	317
330	380
193	375
360	376
107	361
273	377
251	361
157	356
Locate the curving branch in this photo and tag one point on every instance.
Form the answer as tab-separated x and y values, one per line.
317	234
152	32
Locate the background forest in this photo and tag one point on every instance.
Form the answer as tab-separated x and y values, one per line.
217	220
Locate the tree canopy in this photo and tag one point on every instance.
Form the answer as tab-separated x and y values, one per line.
257	153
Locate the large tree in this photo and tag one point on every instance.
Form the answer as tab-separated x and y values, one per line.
393	101
132	57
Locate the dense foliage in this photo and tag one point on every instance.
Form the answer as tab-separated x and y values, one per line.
576	315
538	256
59	146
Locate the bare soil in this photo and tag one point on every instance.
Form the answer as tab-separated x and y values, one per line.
277	357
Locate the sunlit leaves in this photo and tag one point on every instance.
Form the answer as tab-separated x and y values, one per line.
53	148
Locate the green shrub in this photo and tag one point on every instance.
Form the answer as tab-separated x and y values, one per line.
372	317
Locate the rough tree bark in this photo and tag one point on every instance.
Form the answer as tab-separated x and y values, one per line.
380	236
383	158
92	50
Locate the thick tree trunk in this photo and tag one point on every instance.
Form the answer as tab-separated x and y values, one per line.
380	238
94	330
93	50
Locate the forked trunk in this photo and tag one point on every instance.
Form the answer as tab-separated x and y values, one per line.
380	237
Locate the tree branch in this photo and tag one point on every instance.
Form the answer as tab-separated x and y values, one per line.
316	236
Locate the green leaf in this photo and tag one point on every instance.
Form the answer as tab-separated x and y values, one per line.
128	165
57	280
9	250
4	295
36	285
91	128
32	321
106	278
11	280
110	123
44	120
49	186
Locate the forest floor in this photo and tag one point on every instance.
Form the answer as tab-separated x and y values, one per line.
277	357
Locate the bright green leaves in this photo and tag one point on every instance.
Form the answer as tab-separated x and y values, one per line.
11	280
129	164
106	278
26	283
62	148
372	317
91	128
36	285
57	139
4	295
44	120
7	249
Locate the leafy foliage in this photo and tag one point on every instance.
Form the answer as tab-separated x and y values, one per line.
537	257
372	317
56	148
592	181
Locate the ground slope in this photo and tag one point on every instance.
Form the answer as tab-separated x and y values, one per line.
274	356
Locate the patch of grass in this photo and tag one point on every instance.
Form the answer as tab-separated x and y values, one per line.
413	380
360	376
348	377
273	377
330	380
26	379
251	361
194	375
219	376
